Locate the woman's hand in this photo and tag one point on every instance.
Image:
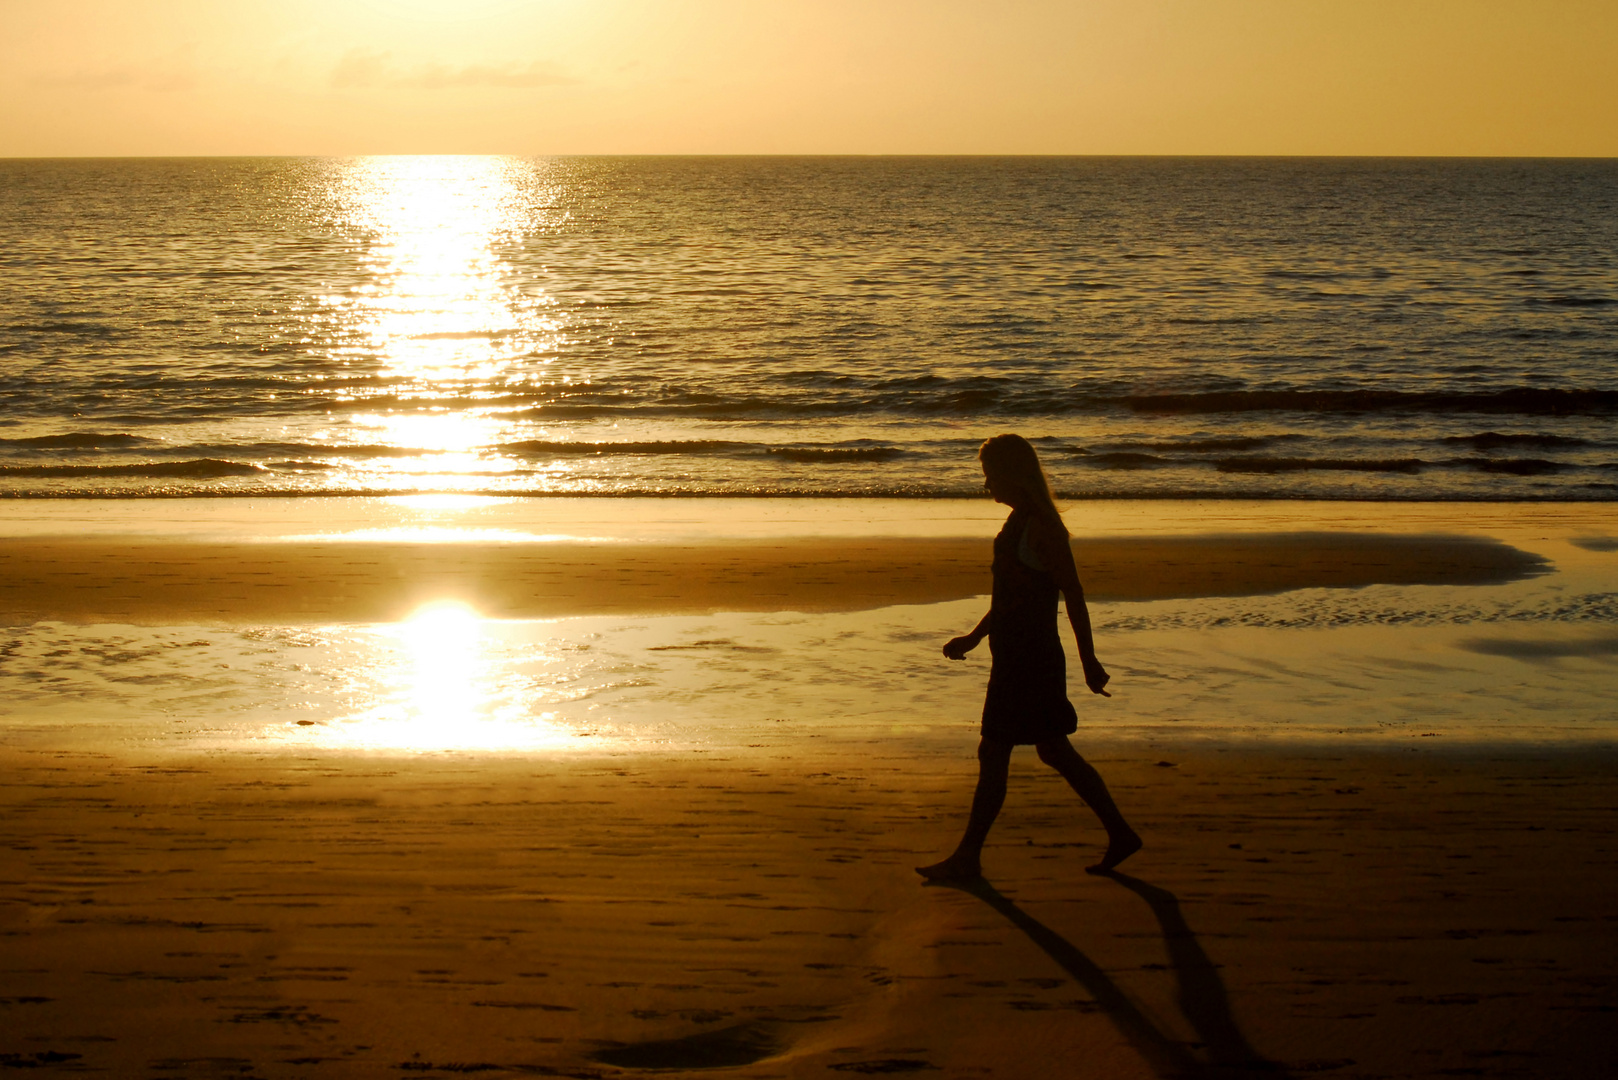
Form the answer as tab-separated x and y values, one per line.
1095	676
957	648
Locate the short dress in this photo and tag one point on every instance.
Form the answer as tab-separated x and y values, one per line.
1027	698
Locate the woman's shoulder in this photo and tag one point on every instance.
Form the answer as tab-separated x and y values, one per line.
1042	528
1044	540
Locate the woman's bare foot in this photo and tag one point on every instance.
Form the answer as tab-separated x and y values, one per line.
1119	848
953	868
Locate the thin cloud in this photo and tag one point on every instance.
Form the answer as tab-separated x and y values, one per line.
167	78
440	77
359	69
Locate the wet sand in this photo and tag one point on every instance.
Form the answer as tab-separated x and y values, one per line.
1300	913
145	581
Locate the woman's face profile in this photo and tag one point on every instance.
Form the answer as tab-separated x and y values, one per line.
1003	490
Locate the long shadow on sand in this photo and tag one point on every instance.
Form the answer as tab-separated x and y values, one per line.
1201	993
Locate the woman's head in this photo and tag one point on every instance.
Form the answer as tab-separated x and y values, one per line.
1013	472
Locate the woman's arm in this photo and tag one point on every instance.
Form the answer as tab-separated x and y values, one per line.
957	648
1051	547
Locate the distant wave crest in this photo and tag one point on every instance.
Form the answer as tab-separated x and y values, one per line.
78	440
198	469
832	454
1495	440
1280	464
548	448
1529	401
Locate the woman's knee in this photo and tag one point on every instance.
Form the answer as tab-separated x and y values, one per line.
992	752
1057	752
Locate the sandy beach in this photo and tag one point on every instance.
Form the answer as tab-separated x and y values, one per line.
1352	915
190	892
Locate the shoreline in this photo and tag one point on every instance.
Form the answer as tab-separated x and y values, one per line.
536	628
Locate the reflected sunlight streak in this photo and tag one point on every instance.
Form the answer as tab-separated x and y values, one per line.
446	693
445	317
441	310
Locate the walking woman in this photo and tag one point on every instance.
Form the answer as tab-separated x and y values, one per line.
1027	699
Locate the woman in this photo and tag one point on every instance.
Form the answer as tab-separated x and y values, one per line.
1027	699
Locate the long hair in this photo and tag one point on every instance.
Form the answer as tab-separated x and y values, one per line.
1012	457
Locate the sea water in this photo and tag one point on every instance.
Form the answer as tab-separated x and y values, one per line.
1380	329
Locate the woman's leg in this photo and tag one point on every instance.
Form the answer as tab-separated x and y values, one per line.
1122	841
994	761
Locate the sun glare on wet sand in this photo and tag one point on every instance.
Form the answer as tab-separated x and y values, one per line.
441	690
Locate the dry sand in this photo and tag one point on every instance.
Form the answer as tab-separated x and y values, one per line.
155	582
1306	913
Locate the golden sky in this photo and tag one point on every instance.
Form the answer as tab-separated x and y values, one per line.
180	77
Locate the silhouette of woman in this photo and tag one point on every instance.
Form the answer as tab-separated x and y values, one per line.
1027	697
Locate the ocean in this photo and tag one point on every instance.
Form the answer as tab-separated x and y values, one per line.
1382	329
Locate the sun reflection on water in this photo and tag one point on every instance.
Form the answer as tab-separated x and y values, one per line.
442	650
442	306
446	319
444	691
